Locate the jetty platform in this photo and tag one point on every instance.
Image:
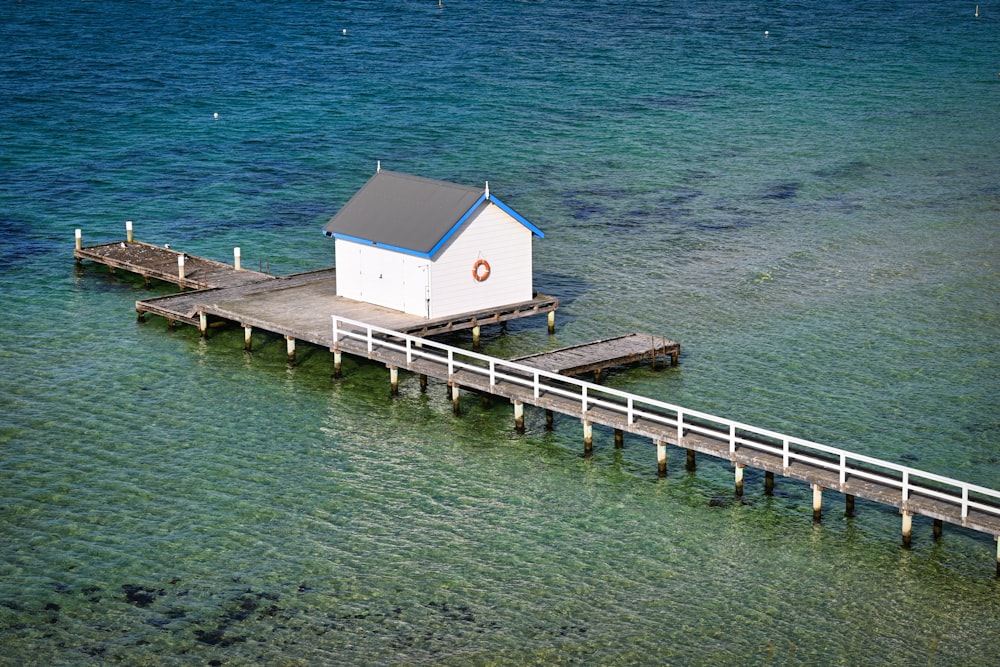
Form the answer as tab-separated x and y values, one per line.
305	306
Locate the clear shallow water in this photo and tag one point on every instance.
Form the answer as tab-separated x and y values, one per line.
813	214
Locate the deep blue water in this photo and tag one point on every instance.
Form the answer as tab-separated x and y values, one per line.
806	195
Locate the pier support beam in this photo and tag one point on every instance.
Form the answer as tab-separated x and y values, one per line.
768	483
849	505
690	463
519	416
588	438
552	322
938	528
423	382
203	323
817	502
619	438
338	362
393	381
661	458
739	479
475	337
907	528
247	338
290	347
455	394
549	419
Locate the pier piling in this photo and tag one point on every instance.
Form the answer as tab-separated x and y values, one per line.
128	231
393	381
817	502
768	483
907	528
455	395
79	240
338	362
661	458
739	479
588	438
519	416
619	438
236	258
690	463
290	348
849	505
247	338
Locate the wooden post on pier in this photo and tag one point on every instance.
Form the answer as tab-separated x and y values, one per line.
128	231
393	381
455	395
247	337
849	505
739	479
338	362
619	438
236	258
180	270
290	347
938	528
768	483
817	502
475	336
203	323
588	438
79	240
549	419
690	463
519	416
423	382
552	322
661	458
907	528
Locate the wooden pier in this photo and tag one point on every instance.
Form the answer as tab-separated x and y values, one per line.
599	355
911	491
305	307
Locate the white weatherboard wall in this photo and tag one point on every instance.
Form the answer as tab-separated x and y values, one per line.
444	286
382	277
505	244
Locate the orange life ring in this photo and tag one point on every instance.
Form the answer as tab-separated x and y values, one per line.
481	270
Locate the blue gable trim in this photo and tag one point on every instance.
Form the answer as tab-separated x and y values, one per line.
517	216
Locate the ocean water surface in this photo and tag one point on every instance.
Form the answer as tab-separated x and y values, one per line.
805	195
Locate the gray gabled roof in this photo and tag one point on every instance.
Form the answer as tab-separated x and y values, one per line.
409	214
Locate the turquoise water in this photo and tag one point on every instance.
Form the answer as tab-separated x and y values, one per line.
813	212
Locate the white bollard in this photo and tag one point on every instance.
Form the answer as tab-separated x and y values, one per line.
128	231
79	239
180	267
236	258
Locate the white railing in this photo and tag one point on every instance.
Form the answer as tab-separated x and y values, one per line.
679	420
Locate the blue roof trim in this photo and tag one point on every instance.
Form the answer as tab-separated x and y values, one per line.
394	248
517	216
457	225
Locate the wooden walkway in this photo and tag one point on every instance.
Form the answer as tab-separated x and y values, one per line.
300	306
153	261
600	355
911	491
297	306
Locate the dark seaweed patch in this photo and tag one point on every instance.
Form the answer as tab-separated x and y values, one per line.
779	191
141	596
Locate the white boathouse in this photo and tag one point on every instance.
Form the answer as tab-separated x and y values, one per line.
431	248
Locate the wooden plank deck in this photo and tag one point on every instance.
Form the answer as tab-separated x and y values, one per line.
599	355
153	261
872	481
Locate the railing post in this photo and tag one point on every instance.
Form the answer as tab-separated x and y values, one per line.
537	384
732	438
965	503
493	373
371	340
785	455
843	471
583	399
680	428
631	411
906	488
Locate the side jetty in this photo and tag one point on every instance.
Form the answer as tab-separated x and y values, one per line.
305	306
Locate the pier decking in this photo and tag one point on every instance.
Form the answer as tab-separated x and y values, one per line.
912	491
599	355
300	307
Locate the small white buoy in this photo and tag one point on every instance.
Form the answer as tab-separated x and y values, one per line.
216	115
767	33
344	31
